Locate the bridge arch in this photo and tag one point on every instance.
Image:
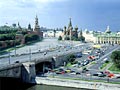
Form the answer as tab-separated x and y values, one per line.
43	67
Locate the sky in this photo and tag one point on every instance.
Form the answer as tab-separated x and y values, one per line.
86	14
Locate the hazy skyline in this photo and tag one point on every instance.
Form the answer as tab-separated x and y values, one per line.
90	14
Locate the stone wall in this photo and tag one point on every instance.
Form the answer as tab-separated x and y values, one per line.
76	83
11	71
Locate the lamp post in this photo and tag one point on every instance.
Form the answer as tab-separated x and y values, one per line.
9	57
15	45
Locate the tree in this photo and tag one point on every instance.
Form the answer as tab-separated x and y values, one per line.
71	58
31	37
67	38
14	25
116	58
81	38
60	38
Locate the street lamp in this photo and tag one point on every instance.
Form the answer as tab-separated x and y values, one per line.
15	44
30	54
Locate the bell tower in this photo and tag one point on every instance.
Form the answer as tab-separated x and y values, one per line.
37	27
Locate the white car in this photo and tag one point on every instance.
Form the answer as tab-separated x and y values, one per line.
105	59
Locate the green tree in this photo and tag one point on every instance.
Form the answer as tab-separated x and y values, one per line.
71	58
81	38
31	37
115	56
67	38
60	38
74	38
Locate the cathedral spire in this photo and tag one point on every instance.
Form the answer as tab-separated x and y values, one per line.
70	23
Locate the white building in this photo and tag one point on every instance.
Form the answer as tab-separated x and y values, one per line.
102	37
51	33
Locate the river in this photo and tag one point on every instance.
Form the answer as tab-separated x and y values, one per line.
17	84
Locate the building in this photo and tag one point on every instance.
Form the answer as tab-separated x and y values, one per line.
107	37
52	33
69	33
35	31
103	37
89	36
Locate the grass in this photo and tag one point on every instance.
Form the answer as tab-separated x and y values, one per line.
114	68
69	65
93	62
104	65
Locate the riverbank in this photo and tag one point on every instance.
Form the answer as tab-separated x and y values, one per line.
76	83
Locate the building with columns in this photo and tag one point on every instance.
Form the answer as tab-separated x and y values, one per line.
103	37
107	37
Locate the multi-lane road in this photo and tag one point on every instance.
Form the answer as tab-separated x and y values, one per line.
93	68
60	48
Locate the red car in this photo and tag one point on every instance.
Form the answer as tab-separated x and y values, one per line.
107	72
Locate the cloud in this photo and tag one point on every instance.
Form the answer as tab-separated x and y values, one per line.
48	1
16	10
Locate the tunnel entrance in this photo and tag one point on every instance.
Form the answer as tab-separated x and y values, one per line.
43	67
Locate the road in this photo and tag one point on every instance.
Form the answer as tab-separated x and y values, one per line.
93	69
100	61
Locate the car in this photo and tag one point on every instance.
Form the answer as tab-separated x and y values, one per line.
67	71
106	72
105	59
16	61
101	75
77	73
73	73
60	72
45	53
84	70
95	74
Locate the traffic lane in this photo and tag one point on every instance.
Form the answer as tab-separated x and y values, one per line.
62	47
26	57
98	64
84	76
33	56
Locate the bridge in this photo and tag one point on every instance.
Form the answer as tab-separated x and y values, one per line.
28	70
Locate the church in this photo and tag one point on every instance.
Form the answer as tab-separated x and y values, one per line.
69	33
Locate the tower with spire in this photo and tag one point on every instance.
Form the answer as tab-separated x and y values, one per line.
37	27
108	30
